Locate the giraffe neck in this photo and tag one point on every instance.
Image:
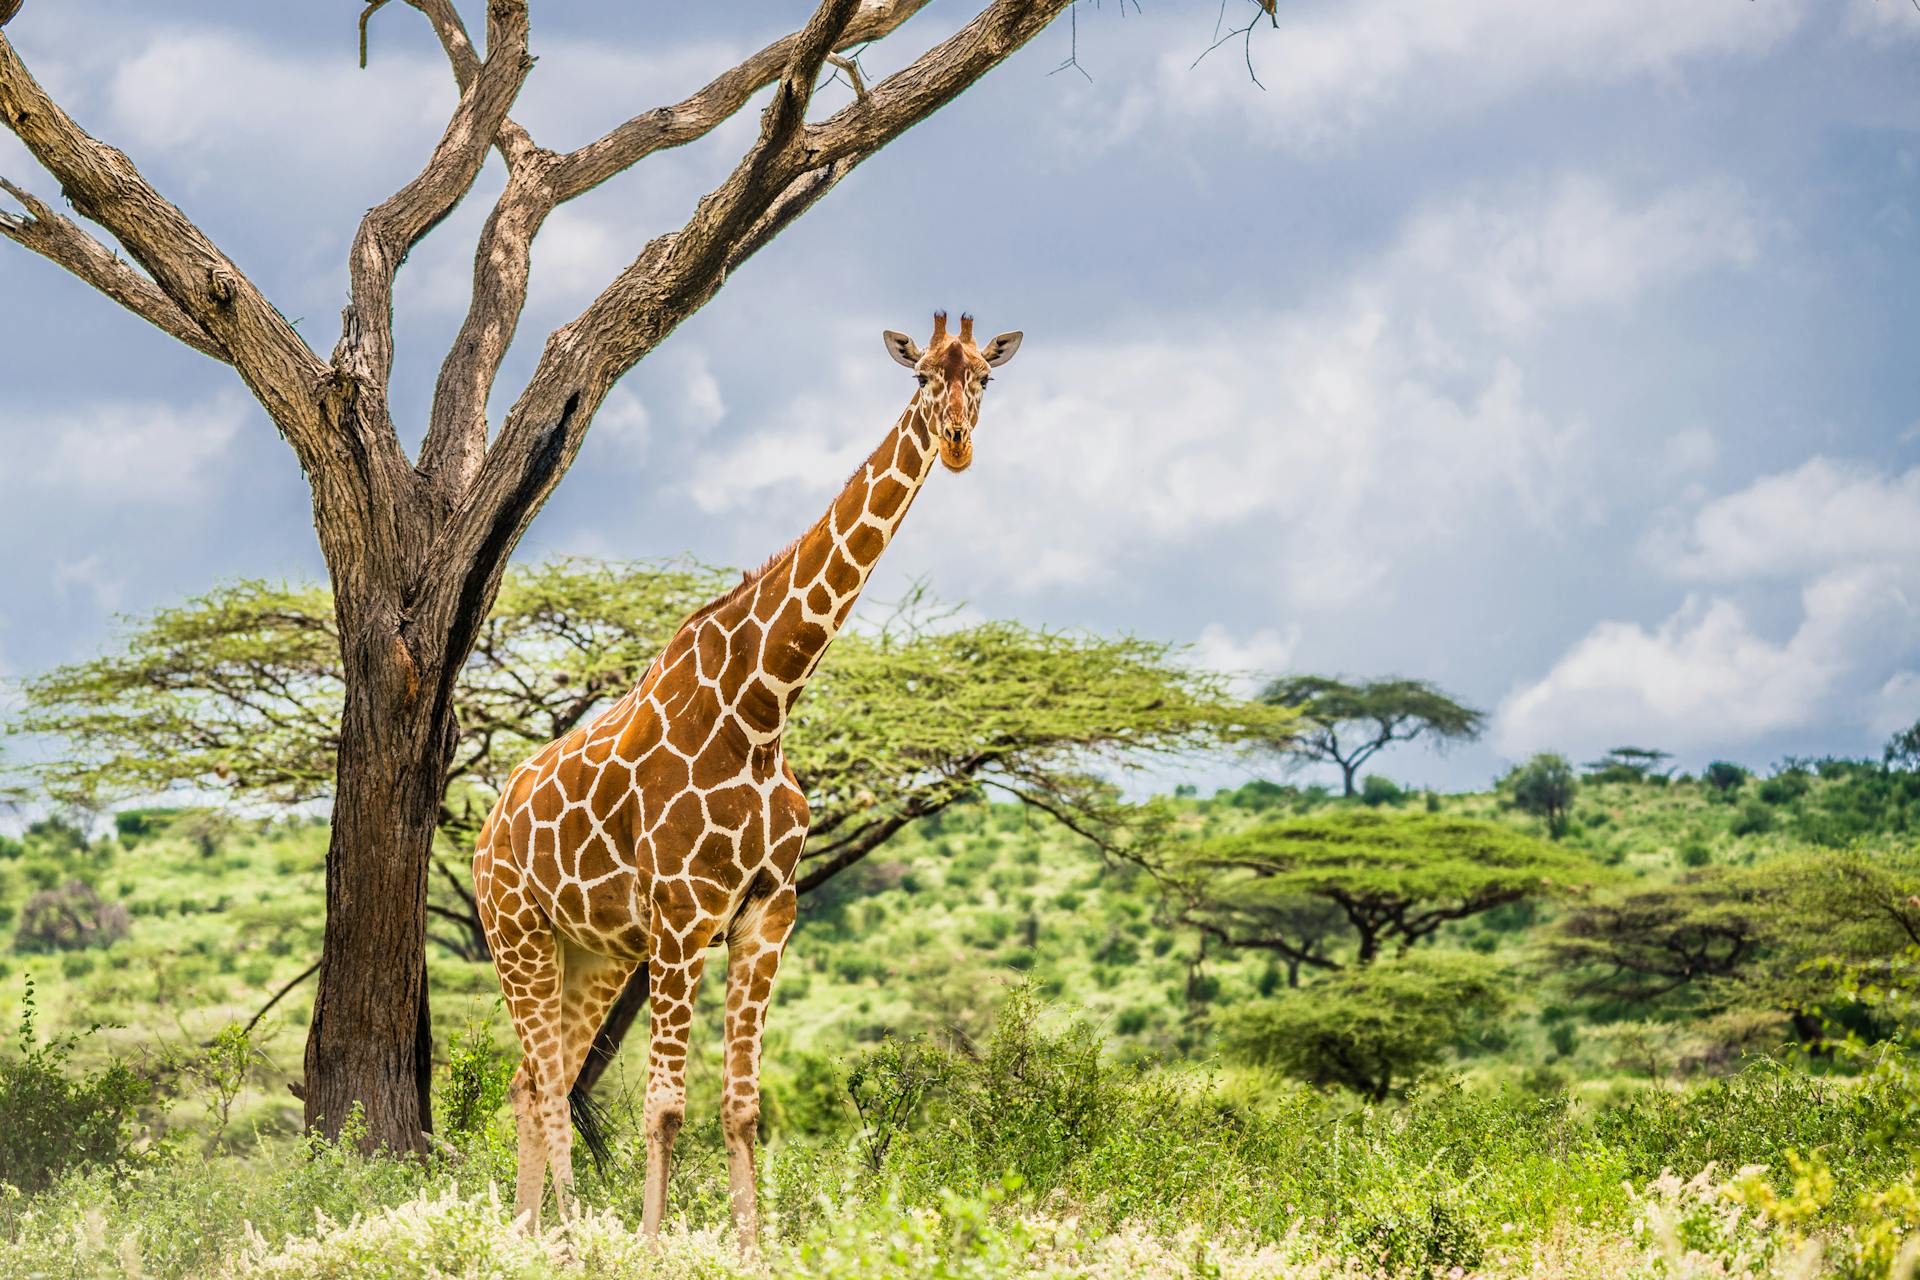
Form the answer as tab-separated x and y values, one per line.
799	602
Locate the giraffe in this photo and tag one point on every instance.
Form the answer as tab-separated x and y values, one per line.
670	821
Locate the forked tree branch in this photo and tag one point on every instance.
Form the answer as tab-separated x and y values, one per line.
514	141
391	229
694	117
537	183
185	265
60	240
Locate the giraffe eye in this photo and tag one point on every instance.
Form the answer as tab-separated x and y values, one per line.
920	378
985	380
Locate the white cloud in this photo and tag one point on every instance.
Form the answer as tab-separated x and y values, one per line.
1822	513
1324	441
1576	244
211	96
1896	705
1685	452
89	576
141	452
1849	536
702	404
1333	70
1883	21
1707	675
1249	661
624	423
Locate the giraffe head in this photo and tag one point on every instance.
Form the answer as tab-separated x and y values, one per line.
952	373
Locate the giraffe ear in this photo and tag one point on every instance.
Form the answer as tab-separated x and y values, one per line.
901	348
1001	349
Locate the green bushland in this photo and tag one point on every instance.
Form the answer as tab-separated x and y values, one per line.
997	1053
997	1144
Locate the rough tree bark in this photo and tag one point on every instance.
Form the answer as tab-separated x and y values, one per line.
415	548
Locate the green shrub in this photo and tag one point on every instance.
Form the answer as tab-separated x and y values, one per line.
1786	786
475	1083
1365	1028
69	918
1695	853
1724	777
53	1118
1564	1037
1376	790
136	825
1753	818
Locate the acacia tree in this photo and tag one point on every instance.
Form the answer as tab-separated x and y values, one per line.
1395	878
1346	724
415	547
1763	937
239	691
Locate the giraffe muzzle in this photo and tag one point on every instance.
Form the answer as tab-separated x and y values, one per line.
956	446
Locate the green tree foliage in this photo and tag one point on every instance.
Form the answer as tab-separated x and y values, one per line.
1629	765
1758	937
1724	777
240	690
1903	748
1544	787
1856	799
1364	1029
1650	942
1346	724
1394	878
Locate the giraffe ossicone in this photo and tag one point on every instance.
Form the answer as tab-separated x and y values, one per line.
671	822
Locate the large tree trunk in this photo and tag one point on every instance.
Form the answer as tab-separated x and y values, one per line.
370	1042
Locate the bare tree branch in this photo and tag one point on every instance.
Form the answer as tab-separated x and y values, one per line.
392	228
851	66
693	117
513	140
537	183
60	240
278	996
203	282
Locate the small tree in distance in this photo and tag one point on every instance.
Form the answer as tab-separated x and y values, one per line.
1629	764
1903	748
1345	725
1395	877
1724	777
1368	1028
1544	787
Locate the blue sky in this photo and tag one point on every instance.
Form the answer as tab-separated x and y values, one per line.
1562	355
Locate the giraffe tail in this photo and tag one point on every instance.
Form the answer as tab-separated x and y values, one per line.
590	1121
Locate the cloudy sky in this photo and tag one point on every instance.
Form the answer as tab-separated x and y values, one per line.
1562	354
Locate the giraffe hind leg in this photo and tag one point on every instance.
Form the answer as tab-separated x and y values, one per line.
754	946
590	983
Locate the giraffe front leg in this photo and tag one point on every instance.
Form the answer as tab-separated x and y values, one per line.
754	947
673	980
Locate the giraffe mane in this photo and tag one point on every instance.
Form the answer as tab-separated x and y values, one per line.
751	579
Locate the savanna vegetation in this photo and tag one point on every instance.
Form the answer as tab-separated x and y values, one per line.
1652	1024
